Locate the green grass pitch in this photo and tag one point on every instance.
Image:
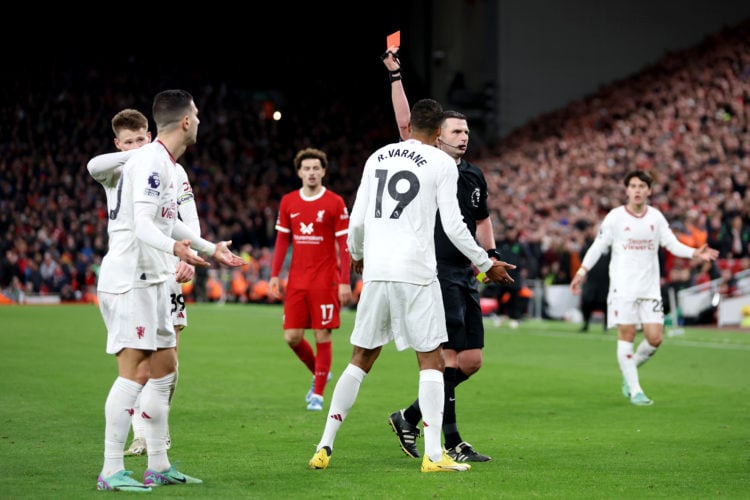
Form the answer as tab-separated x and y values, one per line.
546	406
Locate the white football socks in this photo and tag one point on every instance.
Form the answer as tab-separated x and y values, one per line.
117	410
431	400
343	398
155	413
626	359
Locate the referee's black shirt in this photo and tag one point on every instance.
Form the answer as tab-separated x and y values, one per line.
472	200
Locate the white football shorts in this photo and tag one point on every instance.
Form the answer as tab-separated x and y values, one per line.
140	318
622	311
408	314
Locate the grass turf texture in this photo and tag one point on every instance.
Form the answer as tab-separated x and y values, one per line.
546	406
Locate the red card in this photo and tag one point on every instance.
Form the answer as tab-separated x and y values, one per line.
394	39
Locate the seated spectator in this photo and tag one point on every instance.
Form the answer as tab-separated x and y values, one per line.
735	238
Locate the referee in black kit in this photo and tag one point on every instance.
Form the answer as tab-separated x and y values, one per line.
463	314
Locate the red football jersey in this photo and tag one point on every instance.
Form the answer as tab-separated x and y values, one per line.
314	224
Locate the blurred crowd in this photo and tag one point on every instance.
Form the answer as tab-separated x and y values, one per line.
685	119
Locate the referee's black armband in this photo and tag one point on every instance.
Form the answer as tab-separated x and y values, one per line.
492	252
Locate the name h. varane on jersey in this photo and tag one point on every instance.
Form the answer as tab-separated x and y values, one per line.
404	153
405	177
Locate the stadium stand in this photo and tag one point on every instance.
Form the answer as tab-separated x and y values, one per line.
685	119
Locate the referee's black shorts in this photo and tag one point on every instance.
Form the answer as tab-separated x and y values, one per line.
463	313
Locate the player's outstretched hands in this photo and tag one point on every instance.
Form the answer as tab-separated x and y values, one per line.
706	254
184	272
498	273
185	253
225	256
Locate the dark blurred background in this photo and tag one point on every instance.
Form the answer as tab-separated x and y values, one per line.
562	98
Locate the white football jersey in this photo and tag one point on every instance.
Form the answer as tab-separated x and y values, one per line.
392	224
148	177
634	271
119	265
107	170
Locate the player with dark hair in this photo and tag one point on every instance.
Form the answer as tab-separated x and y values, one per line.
403	187
134	290
130	127
314	221
634	232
